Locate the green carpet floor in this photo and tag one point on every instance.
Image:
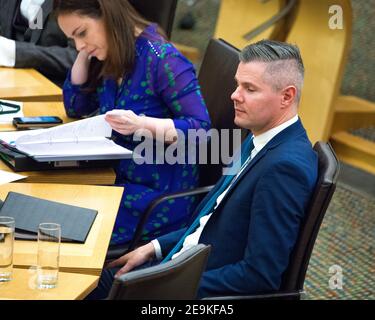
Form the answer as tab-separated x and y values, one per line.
347	239
367	133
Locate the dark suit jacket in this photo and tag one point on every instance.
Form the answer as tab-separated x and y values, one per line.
253	230
48	50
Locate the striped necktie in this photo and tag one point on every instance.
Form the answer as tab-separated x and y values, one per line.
224	182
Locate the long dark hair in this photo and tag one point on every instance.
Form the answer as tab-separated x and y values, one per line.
120	20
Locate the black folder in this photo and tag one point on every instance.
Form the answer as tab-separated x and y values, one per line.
29	212
19	161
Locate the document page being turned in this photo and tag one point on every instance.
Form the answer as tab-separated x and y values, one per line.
86	139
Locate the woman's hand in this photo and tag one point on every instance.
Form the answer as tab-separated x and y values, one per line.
80	69
125	122
133	259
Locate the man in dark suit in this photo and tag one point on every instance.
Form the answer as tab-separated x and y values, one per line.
31	38
251	219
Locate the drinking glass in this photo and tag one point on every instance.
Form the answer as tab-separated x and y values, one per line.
49	239
7	225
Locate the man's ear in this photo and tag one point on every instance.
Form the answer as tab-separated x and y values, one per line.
289	96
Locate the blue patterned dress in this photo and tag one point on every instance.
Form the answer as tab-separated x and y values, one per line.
162	84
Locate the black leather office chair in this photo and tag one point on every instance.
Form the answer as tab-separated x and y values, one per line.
160	11
176	279
216	78
294	277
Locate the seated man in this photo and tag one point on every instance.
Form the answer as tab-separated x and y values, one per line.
31	38
251	219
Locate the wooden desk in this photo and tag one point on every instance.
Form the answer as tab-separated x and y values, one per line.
87	258
27	85
71	286
96	176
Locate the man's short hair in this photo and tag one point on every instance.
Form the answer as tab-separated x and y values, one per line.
284	63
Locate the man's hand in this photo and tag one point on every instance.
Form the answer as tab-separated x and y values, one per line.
127	122
133	259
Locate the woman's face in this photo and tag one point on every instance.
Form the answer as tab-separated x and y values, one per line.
88	34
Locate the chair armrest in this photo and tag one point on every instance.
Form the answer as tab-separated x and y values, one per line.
138	232
116	251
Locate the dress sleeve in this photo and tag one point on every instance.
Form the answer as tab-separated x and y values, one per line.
177	84
77	102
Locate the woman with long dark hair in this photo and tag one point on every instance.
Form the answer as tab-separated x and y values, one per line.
126	64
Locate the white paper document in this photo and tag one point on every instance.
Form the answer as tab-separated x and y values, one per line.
7	177
85	139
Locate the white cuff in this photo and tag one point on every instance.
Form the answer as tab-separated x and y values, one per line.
157	248
7	52
30	9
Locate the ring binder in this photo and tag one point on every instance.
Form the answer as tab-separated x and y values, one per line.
19	161
70	145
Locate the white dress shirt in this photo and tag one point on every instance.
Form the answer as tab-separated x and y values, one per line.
29	9
7	52
259	143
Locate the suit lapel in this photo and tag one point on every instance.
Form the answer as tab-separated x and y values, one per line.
218	185
290	132
7	11
47	7
252	163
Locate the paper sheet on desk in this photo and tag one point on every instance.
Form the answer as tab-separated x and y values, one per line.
7	177
84	137
8	117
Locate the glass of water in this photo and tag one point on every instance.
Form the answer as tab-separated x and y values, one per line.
7	225
49	238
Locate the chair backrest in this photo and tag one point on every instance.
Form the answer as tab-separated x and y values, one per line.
176	279
237	17
160	11
328	171
216	78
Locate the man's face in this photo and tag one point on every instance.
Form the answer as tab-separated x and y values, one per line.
257	106
88	34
